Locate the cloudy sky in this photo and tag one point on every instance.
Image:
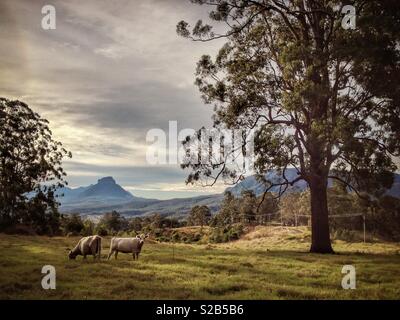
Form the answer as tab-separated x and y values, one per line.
111	71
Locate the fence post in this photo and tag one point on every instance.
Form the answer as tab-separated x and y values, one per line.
173	243
364	225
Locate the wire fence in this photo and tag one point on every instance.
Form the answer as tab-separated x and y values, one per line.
255	218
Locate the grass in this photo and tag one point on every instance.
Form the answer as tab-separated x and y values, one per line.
268	263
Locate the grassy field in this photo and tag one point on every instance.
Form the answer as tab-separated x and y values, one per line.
268	263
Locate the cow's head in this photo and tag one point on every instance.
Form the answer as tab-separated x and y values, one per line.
71	255
143	236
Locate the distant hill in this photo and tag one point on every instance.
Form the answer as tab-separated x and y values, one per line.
108	188
395	189
106	195
251	183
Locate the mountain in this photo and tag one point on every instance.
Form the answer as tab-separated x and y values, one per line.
106	195
395	189
106	188
252	184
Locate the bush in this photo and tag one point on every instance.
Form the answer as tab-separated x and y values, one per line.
101	231
176	237
72	224
89	228
226	234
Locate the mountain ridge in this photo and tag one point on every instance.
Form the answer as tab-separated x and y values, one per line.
107	195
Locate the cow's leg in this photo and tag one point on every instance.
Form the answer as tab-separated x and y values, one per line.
116	254
94	253
137	256
84	257
134	256
110	254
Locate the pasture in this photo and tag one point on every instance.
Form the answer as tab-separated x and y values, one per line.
267	263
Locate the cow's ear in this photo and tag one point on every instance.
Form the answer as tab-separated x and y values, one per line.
67	249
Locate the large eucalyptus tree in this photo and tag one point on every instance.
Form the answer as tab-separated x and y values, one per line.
323	98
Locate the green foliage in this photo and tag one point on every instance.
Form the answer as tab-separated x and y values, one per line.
295	208
247	209
30	169
89	228
112	223
199	216
228	213
226	234
320	98
72	224
382	216
101	230
135	224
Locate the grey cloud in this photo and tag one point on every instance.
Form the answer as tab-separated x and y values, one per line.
126	175
109	66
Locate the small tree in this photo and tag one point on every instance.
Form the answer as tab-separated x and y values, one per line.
295	208
267	208
135	224
72	224
248	206
199	216
89	228
113	222
229	211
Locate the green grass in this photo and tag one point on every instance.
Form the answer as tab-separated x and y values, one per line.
268	263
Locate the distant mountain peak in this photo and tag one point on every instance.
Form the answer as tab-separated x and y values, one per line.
105	190
107	180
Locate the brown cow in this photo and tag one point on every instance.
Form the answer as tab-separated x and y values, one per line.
87	246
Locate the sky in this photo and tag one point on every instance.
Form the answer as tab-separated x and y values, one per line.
110	72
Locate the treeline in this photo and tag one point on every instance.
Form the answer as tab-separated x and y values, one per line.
349	214
347	211
114	224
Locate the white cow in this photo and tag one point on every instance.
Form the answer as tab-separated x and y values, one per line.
127	245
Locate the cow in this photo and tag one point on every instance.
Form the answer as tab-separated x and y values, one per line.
87	246
127	245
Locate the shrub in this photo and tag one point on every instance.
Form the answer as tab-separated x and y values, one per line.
176	237
101	231
226	234
72	224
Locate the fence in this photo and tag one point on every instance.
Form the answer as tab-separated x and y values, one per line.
350	215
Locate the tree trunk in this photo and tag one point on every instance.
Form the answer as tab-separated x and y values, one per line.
320	238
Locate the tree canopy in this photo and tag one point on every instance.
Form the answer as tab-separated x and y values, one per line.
321	99
30	167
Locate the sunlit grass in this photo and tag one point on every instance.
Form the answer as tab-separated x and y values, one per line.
268	263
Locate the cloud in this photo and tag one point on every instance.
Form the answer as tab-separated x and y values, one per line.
110	72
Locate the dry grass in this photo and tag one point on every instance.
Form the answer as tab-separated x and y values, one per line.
268	263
